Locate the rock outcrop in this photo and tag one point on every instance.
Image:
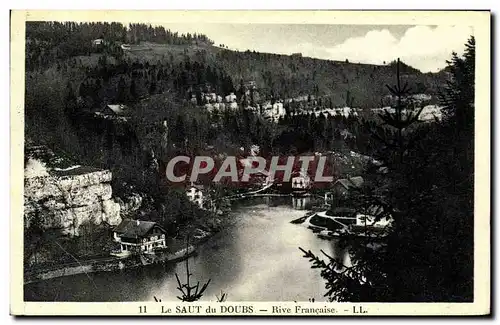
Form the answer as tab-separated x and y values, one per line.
58	196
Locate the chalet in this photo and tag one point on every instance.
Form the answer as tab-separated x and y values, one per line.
125	47
344	185
139	236
118	110
195	194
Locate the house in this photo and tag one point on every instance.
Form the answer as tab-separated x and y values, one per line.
195	194
139	236
213	97
346	134
278	109
301	181
430	113
230	98
210	97
116	110
273	111
343	185
251	84
193	99
328	197
125	47
370	220
98	42
209	107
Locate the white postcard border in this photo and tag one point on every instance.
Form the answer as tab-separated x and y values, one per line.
479	20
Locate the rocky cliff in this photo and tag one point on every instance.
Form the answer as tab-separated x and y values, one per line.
58	194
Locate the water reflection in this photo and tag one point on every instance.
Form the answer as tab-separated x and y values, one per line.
301	203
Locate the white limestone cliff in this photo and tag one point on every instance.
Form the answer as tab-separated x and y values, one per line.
65	198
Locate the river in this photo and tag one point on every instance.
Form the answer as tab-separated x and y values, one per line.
255	258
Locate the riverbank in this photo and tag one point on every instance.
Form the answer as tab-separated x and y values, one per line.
253	257
176	252
108	264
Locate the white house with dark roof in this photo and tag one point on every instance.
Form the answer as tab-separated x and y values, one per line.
195	194
139	236
301	181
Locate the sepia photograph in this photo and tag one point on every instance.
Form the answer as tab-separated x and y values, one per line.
192	160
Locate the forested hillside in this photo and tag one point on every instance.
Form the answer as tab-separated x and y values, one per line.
68	75
278	76
49	42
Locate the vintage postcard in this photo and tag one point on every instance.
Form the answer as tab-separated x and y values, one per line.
253	163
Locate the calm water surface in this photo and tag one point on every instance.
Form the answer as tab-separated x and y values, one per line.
256	258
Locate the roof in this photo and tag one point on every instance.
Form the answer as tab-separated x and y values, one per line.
135	228
356	181
302	174
118	109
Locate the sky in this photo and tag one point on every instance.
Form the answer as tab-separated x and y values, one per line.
423	47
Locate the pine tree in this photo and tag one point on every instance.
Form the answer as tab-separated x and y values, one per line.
458	96
429	250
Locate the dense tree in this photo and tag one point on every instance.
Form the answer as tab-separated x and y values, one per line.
428	191
49	42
